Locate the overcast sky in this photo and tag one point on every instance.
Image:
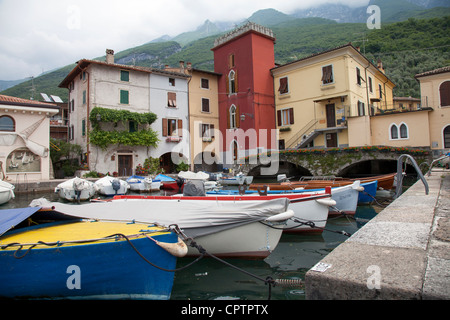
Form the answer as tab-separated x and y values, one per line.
41	35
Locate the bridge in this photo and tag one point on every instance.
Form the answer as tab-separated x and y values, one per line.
333	161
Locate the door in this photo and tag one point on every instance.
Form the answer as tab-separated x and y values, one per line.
331	115
125	165
331	140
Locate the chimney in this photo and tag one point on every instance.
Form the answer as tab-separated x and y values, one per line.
189	66
109	56
182	66
358	48
380	65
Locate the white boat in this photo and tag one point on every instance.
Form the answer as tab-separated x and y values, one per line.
238	179
6	191
110	186
140	184
76	189
250	229
198	176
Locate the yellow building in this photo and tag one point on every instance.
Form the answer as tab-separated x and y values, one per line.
203	117
326	100
435	94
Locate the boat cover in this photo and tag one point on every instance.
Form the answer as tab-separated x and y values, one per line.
9	218
163	178
195	217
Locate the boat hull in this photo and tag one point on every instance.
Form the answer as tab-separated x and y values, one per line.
6	192
108	270
104	186
370	191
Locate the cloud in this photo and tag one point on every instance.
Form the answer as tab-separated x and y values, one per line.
42	35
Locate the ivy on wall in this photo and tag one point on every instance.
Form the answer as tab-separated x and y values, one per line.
103	138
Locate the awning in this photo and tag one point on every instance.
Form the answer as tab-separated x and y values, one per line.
9	218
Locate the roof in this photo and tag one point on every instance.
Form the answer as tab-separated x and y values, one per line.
241	31
433	72
25	102
84	63
406	99
348	45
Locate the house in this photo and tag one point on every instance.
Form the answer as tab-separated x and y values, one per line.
435	94
244	58
121	115
326	99
406	103
25	139
203	117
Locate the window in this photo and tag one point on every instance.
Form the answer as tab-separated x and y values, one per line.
205	105
72	106
171	99
124	75
7	123
232	82
285	117
444	93
132	126
327	74
124	97
370	85
233	117
361	108
380	91
394	132
84	97
172	127
235	150
207	130
447	137
358	76
284	88
205	83
403	131
172	82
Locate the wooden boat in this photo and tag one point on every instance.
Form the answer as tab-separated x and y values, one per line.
85	260
346	197
233	228
236	180
384	181
370	192
75	190
110	186
6	191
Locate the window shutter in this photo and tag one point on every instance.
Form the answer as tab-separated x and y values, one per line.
164	127
228	119
227	84
238	118
236	86
180	127
279	117
444	92
211	128
291	115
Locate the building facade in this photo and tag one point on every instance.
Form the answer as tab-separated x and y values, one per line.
25	139
128	140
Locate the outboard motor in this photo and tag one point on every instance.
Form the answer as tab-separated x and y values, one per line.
116	185
180	182
194	188
77	187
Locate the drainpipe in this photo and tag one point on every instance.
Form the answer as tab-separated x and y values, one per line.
367	88
88	123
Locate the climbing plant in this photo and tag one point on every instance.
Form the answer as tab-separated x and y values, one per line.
103	138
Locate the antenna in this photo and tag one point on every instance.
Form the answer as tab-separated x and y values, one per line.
363	40
33	88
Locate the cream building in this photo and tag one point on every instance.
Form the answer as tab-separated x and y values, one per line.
435	94
25	139
326	100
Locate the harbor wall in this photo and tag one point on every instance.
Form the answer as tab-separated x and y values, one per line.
401	254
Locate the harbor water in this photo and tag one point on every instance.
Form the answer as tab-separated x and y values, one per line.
210	279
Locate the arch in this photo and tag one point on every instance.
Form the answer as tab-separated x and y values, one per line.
7	123
233	116
232	82
444	93
234	149
404	131
393	132
446	136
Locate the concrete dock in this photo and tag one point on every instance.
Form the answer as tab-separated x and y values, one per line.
401	254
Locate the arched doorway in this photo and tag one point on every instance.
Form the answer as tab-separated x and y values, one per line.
171	160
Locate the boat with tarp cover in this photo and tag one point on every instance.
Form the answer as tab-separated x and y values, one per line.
82	259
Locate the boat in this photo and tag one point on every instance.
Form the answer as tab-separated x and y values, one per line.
110	186
169	183
236	180
198	176
75	190
139	183
82	259
6	191
385	182
245	229
346	197
370	192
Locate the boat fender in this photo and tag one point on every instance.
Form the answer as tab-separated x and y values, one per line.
327	202
178	249
281	216
360	189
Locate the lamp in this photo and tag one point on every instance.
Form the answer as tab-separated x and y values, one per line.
244	114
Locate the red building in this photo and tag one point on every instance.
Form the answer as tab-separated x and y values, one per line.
244	58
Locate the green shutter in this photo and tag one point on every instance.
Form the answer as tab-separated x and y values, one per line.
124	97
83	127
124	75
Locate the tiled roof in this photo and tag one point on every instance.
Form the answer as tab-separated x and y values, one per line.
19	101
435	71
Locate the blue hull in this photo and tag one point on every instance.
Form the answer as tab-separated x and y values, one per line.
369	193
94	271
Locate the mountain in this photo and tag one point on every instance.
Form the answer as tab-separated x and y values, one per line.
6	84
207	29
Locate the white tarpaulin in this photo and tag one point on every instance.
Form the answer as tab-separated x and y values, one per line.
195	217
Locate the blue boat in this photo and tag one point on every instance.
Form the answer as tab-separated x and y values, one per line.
369	193
80	259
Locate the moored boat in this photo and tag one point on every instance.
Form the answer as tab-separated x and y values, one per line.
139	183
85	260
168	183
110	186
236	180
75	190
6	191
247	229
370	192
